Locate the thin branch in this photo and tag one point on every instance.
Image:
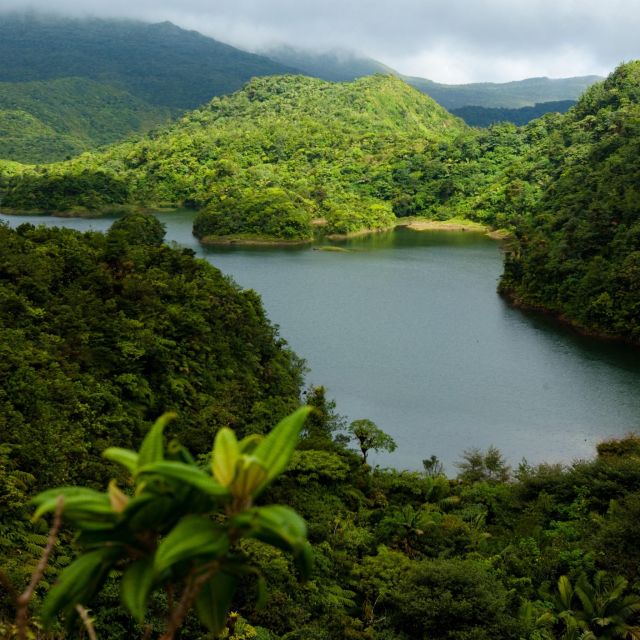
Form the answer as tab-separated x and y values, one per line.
23	599
189	595
87	622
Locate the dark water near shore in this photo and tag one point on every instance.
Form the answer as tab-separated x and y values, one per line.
405	328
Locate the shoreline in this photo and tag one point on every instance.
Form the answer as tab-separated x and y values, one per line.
413	223
565	321
248	241
89	214
455	224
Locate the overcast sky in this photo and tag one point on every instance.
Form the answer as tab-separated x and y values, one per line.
445	40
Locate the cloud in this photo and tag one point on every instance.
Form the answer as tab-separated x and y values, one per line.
446	40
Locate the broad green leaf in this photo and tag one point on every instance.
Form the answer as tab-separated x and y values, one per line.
136	587
275	450
249	443
125	457
565	591
152	447
280	527
225	456
79	505
214	600
187	474
151	512
77	584
194	536
276	524
65	492
249	476
114	536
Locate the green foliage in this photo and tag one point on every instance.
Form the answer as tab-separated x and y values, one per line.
267	161
50	120
488	466
160	64
370	437
595	609
178	544
577	252
435	599
95	340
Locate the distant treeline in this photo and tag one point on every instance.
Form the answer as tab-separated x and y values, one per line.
486	116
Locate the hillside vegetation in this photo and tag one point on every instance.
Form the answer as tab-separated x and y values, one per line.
70	85
486	116
288	155
45	121
508	95
578	252
160	64
265	161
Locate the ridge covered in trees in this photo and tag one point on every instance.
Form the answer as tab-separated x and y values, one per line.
70	85
265	161
577	250
344	66
50	120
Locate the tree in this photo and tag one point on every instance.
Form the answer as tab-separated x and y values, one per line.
598	610
433	467
138	228
369	436
479	466
323	426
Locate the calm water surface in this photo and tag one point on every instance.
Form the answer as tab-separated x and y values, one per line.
406	329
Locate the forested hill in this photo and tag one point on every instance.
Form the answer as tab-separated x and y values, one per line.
161	64
346	65
103	332
264	161
69	85
48	120
578	254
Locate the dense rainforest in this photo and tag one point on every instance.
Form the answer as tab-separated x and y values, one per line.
266	160
577	251
101	332
49	120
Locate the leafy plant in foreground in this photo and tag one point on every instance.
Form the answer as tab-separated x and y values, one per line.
179	530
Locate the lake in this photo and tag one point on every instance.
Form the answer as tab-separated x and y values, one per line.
405	328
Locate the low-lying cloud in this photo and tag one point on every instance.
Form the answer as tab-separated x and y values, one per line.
445	40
